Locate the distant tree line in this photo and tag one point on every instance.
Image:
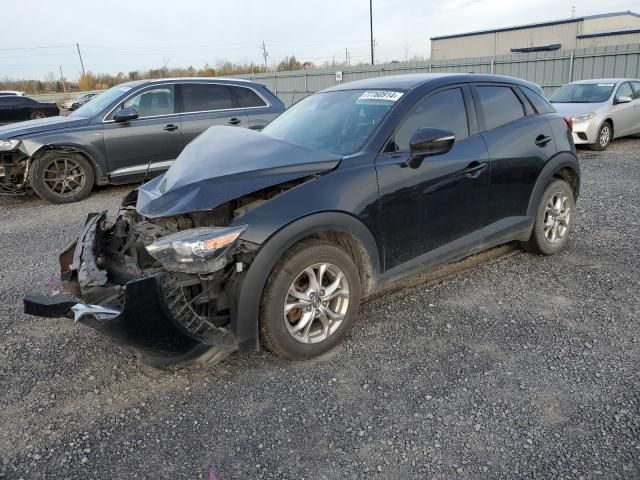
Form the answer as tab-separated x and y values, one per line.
101	81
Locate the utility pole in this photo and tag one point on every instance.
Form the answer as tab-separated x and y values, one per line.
64	87
265	54
346	57
80	55
371	27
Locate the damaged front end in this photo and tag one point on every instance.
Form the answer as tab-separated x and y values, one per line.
14	168
161	288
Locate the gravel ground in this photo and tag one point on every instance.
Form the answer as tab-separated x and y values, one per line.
521	367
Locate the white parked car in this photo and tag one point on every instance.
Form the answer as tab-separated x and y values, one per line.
4	93
601	110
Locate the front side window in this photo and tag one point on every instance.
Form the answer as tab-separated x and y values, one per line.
583	93
625	90
338	122
444	110
636	89
153	102
247	98
500	106
202	97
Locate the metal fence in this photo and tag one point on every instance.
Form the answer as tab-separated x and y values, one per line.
550	70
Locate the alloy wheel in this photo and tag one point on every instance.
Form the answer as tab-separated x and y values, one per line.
605	136
64	176
557	217
316	303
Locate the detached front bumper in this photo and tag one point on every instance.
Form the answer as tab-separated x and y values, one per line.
143	324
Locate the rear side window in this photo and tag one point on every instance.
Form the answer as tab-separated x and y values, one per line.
445	110
203	97
247	98
538	102
500	106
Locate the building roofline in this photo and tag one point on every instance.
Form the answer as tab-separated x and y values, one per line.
536	25
609	33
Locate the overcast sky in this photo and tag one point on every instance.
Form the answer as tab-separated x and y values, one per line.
141	34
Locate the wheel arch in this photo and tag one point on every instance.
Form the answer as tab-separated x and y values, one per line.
340	228
564	166
99	175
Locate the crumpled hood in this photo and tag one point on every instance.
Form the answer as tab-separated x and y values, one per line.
574	109
226	163
17	130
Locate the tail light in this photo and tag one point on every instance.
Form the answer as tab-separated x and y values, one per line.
569	122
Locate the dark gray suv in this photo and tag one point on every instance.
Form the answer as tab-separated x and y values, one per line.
127	133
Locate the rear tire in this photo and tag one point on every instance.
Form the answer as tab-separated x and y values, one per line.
605	134
62	177
320	312
554	219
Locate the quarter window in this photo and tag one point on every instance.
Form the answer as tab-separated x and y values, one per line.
152	102
445	110
540	104
247	98
203	97
500	106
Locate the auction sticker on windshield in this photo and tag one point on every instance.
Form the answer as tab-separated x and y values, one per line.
380	95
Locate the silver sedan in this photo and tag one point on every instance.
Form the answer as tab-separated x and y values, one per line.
601	110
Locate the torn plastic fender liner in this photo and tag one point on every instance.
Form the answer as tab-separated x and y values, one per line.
83	260
225	163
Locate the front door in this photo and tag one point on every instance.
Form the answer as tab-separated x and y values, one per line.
149	144
626	115
438	208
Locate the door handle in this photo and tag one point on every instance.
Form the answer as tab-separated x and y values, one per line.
234	121
171	127
475	169
542	140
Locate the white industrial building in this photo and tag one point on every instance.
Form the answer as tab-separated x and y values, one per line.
571	33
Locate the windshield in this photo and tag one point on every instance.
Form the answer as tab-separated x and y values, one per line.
101	101
337	122
583	93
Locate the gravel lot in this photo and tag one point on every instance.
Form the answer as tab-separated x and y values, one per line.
521	367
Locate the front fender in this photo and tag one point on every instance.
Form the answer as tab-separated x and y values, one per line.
248	291
92	149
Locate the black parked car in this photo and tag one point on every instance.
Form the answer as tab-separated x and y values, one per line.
276	236
17	108
129	132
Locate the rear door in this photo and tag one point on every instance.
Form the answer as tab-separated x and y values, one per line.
151	142
255	106
206	104
520	143
7	105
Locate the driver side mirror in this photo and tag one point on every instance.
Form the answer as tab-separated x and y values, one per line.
125	114
623	99
426	142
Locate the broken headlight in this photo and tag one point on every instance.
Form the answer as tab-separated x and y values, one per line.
8	145
197	250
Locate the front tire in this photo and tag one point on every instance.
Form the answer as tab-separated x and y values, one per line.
310	300
35	115
605	134
554	219
62	177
